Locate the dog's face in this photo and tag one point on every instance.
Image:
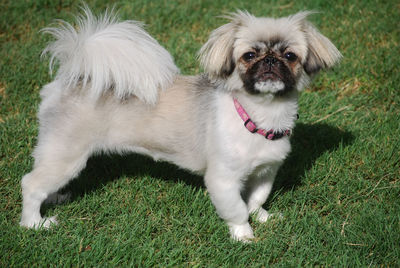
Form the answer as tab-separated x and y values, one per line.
268	67
265	55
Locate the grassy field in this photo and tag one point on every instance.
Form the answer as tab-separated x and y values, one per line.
339	190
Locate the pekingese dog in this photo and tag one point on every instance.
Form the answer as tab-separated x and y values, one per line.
118	90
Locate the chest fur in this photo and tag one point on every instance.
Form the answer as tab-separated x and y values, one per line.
243	149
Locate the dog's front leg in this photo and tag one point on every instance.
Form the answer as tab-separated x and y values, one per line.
224	187
258	189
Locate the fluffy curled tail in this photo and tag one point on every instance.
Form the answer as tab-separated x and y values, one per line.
103	54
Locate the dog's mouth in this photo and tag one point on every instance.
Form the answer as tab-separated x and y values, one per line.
269	76
267	79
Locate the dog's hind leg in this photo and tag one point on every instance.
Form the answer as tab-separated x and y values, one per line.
56	163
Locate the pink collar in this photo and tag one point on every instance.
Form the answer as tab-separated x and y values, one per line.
251	126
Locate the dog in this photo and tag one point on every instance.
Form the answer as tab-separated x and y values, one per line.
117	90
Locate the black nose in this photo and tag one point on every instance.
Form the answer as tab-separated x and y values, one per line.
270	60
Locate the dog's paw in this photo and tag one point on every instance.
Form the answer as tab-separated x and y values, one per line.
242	233
42	223
262	215
48	222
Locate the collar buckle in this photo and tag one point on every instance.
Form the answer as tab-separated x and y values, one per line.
250	126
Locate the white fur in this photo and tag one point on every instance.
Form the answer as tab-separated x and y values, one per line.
270	86
193	123
104	53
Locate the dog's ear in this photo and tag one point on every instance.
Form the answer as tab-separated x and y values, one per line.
322	53
216	54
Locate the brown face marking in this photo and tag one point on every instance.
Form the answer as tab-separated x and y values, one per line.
275	63
291	59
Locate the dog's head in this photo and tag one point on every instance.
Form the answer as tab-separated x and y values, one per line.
265	55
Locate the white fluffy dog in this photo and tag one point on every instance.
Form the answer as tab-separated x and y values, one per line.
118	90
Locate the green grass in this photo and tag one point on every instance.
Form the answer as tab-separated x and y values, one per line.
338	191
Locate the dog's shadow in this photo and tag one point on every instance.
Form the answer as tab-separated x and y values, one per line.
308	143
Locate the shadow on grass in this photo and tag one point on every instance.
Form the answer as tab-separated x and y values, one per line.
308	143
104	168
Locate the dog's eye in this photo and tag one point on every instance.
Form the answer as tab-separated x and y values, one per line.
290	56
249	56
